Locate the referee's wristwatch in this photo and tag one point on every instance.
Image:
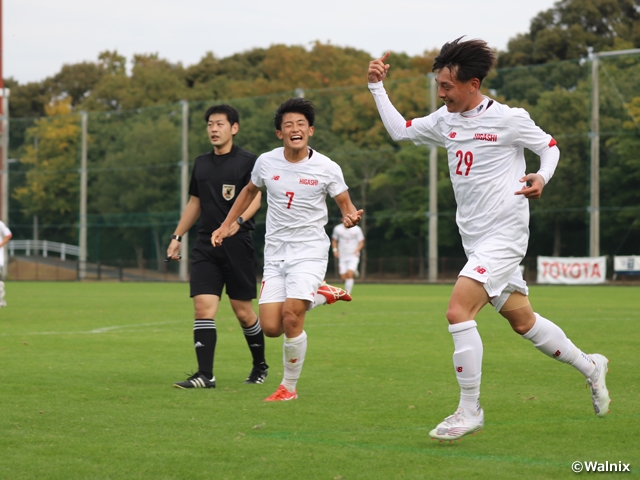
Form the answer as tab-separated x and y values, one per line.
240	220
176	237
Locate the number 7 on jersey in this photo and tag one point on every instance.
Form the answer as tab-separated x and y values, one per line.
290	195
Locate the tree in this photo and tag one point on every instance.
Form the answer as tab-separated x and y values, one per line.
570	28
52	184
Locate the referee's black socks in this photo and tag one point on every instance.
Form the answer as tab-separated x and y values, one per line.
255	340
204	342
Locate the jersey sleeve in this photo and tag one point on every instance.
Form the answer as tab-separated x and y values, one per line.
531	136
193	184
360	234
528	134
336	184
334	234
256	174
5	230
425	131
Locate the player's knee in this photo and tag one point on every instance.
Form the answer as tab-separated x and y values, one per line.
456	314
291	320
272	331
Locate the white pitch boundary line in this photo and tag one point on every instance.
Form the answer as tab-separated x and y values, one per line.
95	330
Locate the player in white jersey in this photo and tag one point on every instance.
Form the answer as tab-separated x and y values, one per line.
346	246
298	180
485	142
5	236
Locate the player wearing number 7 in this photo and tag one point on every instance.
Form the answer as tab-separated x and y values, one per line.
485	144
298	180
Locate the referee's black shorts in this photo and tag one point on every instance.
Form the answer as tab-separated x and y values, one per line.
231	265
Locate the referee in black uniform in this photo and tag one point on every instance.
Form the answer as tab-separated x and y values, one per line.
217	179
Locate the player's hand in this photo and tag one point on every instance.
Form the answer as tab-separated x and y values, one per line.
173	252
378	69
533	185
219	235
352	219
233	229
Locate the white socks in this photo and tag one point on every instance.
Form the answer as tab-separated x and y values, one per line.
467	361
547	337
294	351
317	301
348	284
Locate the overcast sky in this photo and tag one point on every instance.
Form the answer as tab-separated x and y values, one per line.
42	35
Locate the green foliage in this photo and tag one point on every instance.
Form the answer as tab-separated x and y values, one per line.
52	186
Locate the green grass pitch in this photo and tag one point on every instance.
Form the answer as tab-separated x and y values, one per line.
86	374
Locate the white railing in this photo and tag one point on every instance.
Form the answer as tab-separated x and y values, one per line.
43	246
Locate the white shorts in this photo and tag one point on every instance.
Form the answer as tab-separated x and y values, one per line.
348	263
497	266
298	279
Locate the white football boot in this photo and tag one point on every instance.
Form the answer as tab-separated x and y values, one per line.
458	425
599	392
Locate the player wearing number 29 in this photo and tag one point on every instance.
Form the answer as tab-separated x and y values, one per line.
298	180
485	144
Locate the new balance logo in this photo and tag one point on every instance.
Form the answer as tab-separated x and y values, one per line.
459	369
480	270
276	177
557	354
452	135
198	345
293	360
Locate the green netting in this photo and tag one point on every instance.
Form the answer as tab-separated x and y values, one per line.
134	164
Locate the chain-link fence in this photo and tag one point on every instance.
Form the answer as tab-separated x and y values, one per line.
134	169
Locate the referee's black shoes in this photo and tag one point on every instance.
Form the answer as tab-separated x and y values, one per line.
197	380
258	374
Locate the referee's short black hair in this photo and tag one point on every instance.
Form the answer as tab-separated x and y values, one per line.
295	105
232	114
466	60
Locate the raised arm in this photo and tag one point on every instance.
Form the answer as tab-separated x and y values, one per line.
393	121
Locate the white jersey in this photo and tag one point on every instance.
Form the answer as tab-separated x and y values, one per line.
348	239
296	203
486	160
4	232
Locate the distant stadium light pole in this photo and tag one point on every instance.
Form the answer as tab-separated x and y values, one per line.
594	204
433	193
82	271
184	189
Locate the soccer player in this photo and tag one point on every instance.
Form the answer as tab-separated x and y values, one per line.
216	179
297	180
5	236
485	142
346	246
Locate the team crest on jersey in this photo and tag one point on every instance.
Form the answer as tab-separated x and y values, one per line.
228	191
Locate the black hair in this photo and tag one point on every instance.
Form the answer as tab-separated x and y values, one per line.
295	105
232	114
466	60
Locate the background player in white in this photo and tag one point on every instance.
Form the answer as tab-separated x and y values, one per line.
297	180
485	142
346	246
5	236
